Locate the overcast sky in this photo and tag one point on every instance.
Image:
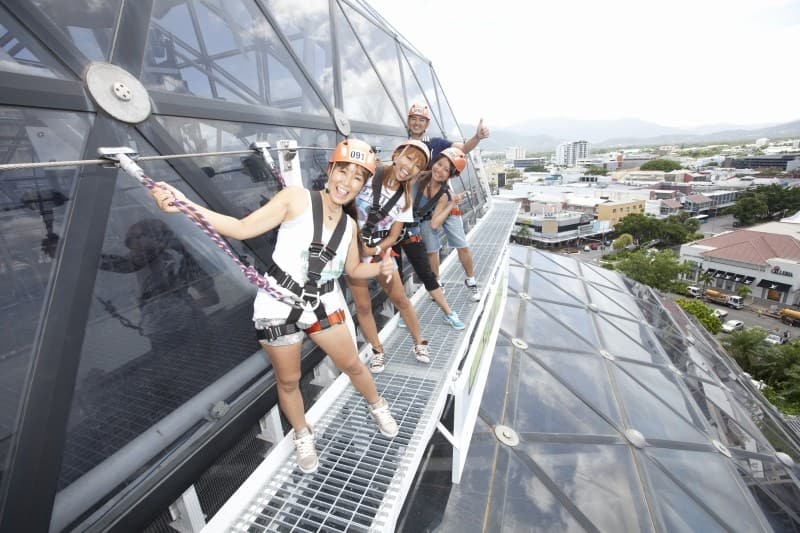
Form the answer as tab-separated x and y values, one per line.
679	63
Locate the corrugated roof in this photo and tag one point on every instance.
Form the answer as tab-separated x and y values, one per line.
752	247
672	204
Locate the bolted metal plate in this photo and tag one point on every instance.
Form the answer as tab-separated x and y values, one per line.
117	92
342	124
721	448
506	435
519	343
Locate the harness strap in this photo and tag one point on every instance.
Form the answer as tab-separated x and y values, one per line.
319	254
424	212
270	333
376	212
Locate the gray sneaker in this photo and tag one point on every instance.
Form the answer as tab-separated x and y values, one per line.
383	417
305	446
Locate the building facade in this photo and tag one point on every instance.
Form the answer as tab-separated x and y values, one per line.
568	153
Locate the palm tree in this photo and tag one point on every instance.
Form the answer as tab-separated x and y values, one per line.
705	278
743	291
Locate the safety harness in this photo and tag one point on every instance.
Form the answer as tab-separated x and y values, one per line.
309	295
422	212
377	213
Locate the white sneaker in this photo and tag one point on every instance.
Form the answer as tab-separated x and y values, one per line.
378	362
422	352
383	417
305	446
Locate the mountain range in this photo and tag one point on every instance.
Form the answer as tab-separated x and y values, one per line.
542	135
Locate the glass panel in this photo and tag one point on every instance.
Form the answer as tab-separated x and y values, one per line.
170	315
307	26
20	52
601	481
587	375
33	209
666	385
620	343
601	276
543	288
383	52
423	73
544	405
89	24
614	302
244	179
230	53
711	479
553	263
544	329
364	96
449	122
651	416
494	395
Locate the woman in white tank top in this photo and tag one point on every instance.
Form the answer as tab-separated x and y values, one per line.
408	159
351	164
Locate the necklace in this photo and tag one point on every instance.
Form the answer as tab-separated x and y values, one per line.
331	210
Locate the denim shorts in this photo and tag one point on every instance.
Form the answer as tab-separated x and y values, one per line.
453	229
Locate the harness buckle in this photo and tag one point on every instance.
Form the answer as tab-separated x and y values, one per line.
310	298
319	250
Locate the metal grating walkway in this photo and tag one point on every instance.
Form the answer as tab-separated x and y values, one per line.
363	477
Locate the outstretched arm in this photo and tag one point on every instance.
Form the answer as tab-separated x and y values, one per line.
284	205
481	132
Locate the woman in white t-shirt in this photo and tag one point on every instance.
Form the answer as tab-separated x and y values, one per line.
381	216
302	214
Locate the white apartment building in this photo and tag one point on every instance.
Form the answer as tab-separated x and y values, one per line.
568	153
515	152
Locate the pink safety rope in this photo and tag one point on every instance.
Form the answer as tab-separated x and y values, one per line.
250	272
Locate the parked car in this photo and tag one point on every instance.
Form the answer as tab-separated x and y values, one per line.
777	337
587	248
720	313
732	325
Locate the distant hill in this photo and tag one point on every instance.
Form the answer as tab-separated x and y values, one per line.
539	135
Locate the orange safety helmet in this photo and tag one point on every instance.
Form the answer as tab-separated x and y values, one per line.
355	151
419	145
457	159
419	110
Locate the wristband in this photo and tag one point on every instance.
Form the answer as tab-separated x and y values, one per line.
378	247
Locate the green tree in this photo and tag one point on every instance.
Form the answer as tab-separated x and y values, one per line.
667	165
622	241
659	269
747	348
703	313
705	279
596	171
749	210
743	291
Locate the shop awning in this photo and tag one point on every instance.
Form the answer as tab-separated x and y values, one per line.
738	278
711	271
748	280
720	274
774	285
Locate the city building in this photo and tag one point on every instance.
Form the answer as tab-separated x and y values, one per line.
568	153
515	152
782	162
613	212
765	259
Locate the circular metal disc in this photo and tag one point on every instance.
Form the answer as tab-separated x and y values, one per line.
785	459
118	92
636	438
342	124
506	435
519	343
